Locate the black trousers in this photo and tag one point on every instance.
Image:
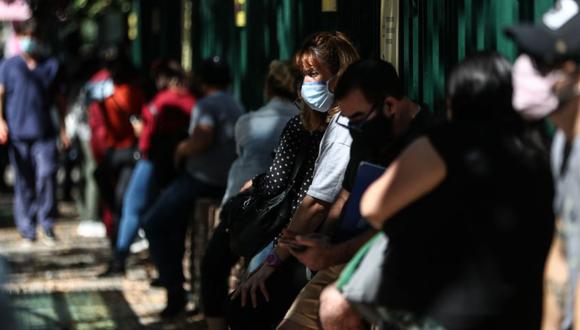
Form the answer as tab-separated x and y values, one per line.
216	266
283	287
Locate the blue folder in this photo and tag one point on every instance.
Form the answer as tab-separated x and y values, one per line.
351	221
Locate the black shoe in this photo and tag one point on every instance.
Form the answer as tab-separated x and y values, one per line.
114	269
50	234
176	303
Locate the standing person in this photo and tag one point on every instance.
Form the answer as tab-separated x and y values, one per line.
96	89
207	155
164	125
258	132
547	84
467	210
114	140
262	299
28	89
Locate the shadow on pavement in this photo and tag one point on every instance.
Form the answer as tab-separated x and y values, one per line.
74	310
71	259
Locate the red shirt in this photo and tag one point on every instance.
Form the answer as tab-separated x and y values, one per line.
109	118
168	112
125	102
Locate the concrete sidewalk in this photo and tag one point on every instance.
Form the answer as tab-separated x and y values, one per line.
57	288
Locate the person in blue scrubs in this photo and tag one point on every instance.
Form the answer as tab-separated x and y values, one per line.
28	89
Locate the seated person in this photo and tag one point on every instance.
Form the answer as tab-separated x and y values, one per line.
382	122
207	153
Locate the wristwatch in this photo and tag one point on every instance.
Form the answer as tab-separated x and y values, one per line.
273	260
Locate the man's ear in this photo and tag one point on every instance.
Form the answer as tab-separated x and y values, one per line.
391	104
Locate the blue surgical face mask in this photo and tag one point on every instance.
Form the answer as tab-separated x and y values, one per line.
317	95
100	90
28	45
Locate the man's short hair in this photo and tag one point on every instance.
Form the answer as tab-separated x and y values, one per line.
376	79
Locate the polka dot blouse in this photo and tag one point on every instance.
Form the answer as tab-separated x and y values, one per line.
278	176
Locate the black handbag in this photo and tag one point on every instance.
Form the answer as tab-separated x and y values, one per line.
254	220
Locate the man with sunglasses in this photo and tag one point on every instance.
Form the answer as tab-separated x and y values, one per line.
546	82
381	121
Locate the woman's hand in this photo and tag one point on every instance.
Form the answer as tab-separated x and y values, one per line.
256	281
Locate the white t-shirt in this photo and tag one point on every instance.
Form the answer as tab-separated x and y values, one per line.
332	160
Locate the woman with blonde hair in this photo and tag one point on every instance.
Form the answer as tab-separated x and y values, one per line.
263	299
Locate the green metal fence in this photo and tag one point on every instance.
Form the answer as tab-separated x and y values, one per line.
436	34
273	31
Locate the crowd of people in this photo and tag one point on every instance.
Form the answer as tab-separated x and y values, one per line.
396	218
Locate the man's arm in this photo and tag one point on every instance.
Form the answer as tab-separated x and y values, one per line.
555	284
200	139
416	172
309	215
320	254
331	222
344	251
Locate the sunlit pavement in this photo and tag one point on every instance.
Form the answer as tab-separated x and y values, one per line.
55	287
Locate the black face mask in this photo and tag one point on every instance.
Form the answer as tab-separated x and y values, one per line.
376	133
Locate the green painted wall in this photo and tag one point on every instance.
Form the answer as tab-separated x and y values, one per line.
274	29
159	26
436	34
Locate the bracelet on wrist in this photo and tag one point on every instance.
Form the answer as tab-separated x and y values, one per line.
273	260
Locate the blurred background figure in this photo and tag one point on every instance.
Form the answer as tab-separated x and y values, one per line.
113	139
257	136
29	86
204	158
96	88
258	132
471	204
547	85
164	123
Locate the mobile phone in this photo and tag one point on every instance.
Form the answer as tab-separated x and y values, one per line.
297	247
291	243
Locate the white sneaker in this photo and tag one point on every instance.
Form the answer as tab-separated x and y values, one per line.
92	228
26	243
140	245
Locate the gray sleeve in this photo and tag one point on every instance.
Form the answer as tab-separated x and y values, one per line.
329	172
200	115
330	165
240	131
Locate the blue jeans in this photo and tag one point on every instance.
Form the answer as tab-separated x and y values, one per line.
166	224
35	165
141	191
